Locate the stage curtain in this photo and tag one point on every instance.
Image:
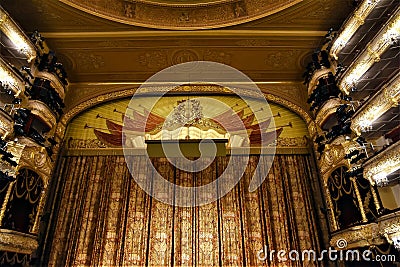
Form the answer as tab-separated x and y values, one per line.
105	219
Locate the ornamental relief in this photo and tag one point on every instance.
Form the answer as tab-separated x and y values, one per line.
116	93
386	161
36	158
17	242
358	236
292	142
181	15
332	157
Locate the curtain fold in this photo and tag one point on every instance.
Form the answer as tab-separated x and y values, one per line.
106	219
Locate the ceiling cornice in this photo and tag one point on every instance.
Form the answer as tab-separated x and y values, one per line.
205	33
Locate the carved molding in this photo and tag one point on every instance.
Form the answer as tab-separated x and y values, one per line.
389	226
182	89
35	157
54	82
182	16
333	156
16	35
326	110
41	110
16	150
352	25
385	162
369	234
387	97
323	72
293	142
17	242
359	236
371	54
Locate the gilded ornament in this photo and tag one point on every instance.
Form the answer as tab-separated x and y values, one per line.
351	26
387	97
359	236
180	15
16	35
385	162
328	108
41	110
368	57
54	81
17	242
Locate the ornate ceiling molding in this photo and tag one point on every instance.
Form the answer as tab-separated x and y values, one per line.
181	15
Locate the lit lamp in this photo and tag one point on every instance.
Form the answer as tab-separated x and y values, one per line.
392	234
365	125
381	179
9	78
396	241
16	36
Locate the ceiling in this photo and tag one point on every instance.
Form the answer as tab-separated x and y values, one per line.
96	49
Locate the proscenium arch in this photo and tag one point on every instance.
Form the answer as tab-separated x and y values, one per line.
107	97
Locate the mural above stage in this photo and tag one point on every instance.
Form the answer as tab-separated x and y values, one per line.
185	118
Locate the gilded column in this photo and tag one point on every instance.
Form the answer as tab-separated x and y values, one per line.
376	199
360	203
333	221
39	211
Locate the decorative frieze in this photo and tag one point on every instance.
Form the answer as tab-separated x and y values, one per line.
383	163
54	81
17	242
352	25
372	53
358	236
42	111
387	97
387	228
16	36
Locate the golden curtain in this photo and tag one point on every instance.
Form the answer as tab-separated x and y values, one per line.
104	218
